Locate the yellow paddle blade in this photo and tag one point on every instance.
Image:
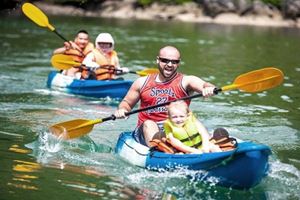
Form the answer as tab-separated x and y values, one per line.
36	15
147	71
63	62
257	80
73	128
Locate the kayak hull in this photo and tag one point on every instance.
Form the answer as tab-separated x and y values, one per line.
116	89
241	168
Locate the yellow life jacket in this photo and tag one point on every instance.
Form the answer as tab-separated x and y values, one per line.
109	61
188	134
77	55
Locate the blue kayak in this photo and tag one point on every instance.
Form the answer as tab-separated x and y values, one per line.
241	168
116	89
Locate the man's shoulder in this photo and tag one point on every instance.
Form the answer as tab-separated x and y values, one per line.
189	80
138	84
141	80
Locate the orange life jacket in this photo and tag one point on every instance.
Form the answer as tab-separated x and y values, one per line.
79	56
110	60
163	145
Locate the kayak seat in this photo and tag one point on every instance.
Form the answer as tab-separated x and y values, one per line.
162	145
221	138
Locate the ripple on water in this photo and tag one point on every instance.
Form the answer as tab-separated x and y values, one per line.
281	137
253	122
284	179
288	85
169	181
286	98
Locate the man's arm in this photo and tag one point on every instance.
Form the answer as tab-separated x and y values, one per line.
63	49
131	98
67	46
196	84
60	50
89	62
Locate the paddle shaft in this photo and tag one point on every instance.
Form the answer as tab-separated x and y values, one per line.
132	72
113	117
104	67
117	70
62	37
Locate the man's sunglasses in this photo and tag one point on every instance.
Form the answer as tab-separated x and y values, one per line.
165	60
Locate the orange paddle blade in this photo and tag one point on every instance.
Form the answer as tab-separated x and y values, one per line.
147	71
257	80
73	128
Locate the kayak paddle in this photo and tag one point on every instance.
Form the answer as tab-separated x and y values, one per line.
39	17
254	81
64	62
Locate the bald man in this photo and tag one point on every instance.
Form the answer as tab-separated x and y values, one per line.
159	88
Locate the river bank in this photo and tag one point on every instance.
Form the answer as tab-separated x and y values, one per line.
188	12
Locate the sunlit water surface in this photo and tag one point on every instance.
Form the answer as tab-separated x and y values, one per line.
37	165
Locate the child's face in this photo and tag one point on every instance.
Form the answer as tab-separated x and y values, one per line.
178	116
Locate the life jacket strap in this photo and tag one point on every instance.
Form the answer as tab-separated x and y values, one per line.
190	138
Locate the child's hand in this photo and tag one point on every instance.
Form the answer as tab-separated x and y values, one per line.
197	151
205	149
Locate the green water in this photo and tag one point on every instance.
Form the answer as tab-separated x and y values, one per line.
36	166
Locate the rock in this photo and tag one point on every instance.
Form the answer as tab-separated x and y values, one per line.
60	10
215	7
291	9
226	12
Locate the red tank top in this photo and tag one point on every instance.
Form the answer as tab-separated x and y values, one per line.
153	93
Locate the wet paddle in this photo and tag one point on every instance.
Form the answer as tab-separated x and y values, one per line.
64	62
253	81
39	18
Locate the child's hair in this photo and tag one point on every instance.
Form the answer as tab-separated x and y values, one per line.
178	105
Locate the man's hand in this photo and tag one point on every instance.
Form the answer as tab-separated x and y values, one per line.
208	91
68	45
120	113
125	70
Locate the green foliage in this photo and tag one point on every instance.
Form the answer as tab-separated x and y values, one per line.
144	2
276	3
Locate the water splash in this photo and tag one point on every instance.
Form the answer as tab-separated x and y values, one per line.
50	143
285	178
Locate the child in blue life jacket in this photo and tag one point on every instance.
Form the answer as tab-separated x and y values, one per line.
185	133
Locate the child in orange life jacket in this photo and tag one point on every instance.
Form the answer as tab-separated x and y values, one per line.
103	60
77	50
185	132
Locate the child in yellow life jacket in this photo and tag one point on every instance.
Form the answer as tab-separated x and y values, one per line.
185	132
103	60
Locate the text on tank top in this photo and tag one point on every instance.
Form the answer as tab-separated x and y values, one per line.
153	93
